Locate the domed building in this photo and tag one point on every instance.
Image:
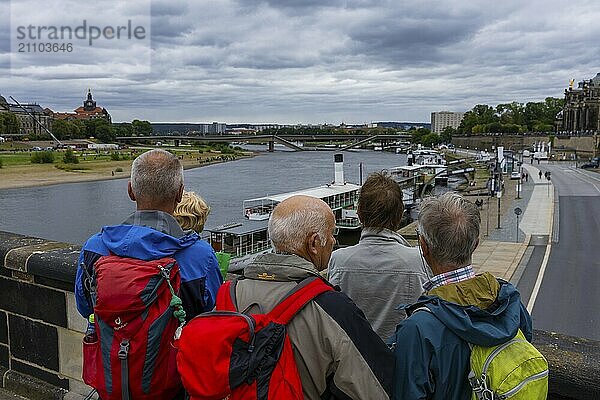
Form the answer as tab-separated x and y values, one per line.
581	113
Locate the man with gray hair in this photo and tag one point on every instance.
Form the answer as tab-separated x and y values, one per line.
337	353
149	239
458	308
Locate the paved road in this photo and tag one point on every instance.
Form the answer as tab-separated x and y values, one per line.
568	301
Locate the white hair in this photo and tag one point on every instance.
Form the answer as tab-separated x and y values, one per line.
156	176
289	231
450	225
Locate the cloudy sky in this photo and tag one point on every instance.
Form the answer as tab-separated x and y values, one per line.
312	61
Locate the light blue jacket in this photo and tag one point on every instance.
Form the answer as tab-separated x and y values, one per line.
379	273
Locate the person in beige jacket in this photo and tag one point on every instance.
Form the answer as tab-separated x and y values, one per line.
337	353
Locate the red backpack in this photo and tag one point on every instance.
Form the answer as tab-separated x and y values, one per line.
130	355
225	354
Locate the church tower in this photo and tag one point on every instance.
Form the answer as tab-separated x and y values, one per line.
89	104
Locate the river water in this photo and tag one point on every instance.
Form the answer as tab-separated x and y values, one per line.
72	212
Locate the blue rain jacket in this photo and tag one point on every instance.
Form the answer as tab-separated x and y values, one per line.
199	270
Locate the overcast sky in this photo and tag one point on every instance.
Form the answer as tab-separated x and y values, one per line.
312	61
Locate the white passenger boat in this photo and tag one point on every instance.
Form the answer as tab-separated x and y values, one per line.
248	237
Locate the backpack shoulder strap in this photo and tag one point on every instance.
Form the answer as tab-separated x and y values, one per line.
226	300
297	298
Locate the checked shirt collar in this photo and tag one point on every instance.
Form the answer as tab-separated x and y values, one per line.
456	276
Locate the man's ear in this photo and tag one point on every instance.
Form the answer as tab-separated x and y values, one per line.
424	247
312	244
130	191
179	194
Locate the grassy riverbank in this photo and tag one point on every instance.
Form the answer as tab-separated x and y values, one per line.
18	170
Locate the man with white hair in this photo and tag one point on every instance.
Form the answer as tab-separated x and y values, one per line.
457	310
124	269
337	353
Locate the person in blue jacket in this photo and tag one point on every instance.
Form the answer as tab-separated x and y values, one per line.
152	232
457	308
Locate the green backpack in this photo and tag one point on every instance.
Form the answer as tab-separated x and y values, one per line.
513	370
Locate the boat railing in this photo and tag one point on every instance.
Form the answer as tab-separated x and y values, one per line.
252	248
348	222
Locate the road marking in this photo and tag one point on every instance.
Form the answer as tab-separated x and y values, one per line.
540	277
542	271
583	174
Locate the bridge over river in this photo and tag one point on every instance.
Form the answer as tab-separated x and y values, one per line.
286	140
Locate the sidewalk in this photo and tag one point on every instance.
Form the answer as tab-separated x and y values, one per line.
499	251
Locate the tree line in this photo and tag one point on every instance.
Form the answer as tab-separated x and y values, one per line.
100	129
512	117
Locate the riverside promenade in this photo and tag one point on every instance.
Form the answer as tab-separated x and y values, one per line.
502	251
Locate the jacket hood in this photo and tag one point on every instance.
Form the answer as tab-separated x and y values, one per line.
498	320
142	242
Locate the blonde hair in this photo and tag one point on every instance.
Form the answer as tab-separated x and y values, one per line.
191	212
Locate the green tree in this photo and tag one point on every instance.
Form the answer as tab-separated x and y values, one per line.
141	128
42	157
66	130
481	114
511	113
446	135
123	129
70	157
430	139
9	124
105	133
101	129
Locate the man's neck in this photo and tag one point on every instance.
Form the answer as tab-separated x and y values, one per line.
163	208
438	269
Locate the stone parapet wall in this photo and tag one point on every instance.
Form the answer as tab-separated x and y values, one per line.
584	144
41	330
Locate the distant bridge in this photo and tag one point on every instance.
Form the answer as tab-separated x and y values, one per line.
286	140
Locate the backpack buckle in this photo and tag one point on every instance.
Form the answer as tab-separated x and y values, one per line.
479	386
123	350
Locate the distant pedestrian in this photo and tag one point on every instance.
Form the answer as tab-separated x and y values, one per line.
526	177
540	174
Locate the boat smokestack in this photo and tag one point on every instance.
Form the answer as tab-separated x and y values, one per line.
338	165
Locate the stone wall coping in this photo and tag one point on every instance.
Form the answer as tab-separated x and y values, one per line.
39	257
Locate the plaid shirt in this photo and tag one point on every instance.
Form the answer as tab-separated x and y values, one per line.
456	276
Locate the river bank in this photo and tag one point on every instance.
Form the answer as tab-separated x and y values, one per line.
32	175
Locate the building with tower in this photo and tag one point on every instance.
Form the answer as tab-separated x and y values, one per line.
581	113
89	110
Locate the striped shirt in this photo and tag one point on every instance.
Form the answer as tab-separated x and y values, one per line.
456	276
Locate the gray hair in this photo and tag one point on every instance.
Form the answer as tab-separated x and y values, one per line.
449	225
289	231
156	176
